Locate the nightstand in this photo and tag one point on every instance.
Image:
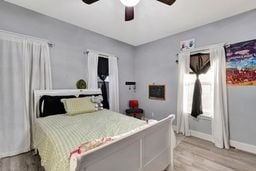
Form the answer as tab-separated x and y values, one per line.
135	113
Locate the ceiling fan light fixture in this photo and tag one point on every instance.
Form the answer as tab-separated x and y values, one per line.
130	3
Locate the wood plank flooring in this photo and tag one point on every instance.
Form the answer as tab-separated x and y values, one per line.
191	154
23	162
194	154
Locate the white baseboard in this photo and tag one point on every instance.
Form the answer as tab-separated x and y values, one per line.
201	135
238	145
243	146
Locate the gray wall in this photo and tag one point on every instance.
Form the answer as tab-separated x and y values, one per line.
155	63
68	60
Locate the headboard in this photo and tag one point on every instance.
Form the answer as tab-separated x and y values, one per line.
39	93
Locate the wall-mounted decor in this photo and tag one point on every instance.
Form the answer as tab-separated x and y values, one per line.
187	44
241	63
156	92
81	84
132	85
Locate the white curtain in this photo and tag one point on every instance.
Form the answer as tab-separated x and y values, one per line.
220	124
113	84
38	74
182	117
92	70
24	67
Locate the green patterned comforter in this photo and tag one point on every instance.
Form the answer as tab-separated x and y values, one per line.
56	136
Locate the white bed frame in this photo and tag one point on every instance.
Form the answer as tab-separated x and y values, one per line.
148	149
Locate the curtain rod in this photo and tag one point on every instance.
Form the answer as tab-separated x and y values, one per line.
28	36
101	54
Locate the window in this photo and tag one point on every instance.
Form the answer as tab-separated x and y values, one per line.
207	92
100	82
103	79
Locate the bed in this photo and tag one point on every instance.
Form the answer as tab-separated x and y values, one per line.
141	146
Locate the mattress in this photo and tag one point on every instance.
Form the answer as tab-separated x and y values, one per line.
56	136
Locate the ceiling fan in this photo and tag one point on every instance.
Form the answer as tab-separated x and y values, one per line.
129	6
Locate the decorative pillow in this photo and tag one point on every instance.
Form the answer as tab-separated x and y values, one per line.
97	100
51	105
78	105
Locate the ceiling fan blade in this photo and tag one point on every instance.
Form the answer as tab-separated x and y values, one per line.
168	2
129	13
89	1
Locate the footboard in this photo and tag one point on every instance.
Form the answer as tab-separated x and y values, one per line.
149	149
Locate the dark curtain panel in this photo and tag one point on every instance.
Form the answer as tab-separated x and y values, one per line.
103	68
103	73
199	64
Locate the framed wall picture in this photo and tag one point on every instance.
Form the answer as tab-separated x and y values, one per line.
241	63
187	44
156	92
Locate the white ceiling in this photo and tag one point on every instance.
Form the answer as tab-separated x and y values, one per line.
153	20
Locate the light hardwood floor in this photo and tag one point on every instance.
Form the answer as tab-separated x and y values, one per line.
194	154
191	154
22	162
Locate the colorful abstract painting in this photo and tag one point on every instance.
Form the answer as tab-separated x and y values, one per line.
241	63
